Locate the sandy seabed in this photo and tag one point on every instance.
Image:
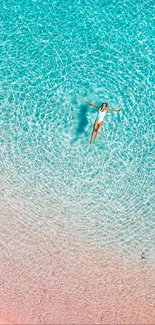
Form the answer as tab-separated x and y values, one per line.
54	276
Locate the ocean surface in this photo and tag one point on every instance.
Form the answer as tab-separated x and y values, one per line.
54	186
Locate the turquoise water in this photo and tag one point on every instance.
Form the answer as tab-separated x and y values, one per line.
56	55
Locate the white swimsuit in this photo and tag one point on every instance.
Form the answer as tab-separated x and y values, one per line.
100	116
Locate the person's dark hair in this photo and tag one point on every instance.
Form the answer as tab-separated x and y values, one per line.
105	104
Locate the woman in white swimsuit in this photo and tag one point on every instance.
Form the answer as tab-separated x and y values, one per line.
100	116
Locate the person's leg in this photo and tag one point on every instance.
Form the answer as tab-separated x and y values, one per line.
95	127
99	128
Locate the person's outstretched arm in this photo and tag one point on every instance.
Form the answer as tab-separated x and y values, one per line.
113	110
93	105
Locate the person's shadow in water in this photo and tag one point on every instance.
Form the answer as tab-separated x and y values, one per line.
82	122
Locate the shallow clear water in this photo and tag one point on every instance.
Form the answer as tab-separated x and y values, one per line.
55	56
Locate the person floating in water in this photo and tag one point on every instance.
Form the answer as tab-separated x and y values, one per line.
100	116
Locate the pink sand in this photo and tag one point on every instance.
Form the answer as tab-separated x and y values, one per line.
5	321
58	278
